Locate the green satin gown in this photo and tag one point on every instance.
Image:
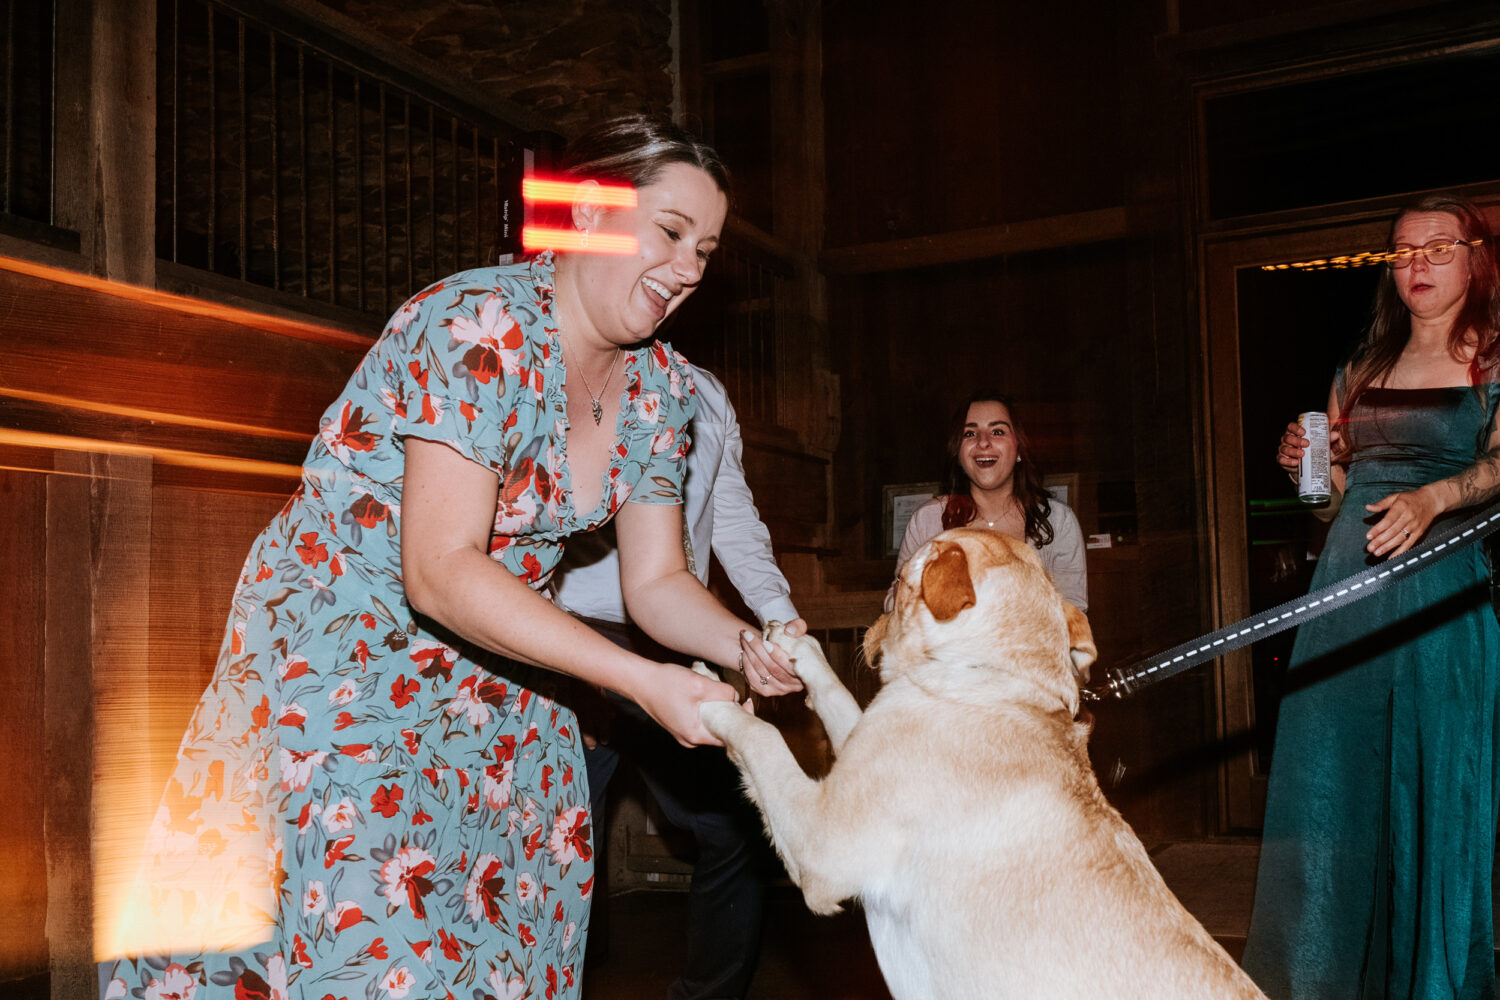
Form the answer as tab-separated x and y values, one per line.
1379	838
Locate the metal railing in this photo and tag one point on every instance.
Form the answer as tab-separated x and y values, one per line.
291	168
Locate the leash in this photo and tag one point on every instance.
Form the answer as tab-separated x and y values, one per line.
1121	682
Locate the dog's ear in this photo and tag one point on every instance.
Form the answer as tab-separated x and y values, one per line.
1081	648
946	587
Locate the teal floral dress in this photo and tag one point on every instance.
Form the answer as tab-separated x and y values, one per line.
365	807
1379	837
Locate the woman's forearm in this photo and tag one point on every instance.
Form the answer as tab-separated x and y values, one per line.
678	611
1477	485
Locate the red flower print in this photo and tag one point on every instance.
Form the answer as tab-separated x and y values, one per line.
313	552
551	976
558	916
335	850
264	573
406	879
402	690
586	889
570	836
418	373
468	410
260	714
524	933
347	433
177	984
533	568
297	767
546	780
533	843
481	893
567	775
386	800
361	653
434	659
432	410
377	949
413	740
451	950
293	716
305	818
362	752
344	915
496	782
367	620
299	952
292	667
367	511
420	816
344	721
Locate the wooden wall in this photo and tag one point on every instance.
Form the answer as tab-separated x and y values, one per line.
144	442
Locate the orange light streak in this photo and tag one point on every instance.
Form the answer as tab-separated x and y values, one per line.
543	238
300	329
535	191
156	416
168	456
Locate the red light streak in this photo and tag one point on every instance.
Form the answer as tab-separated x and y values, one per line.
542	238
535	191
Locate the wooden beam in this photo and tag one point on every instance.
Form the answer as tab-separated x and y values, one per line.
1103	225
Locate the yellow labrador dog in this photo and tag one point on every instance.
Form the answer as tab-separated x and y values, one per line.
961	810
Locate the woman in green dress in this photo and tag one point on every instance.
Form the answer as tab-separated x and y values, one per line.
1380	823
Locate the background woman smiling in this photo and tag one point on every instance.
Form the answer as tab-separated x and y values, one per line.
990	481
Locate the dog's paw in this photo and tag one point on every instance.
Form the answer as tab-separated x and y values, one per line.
725	719
805	653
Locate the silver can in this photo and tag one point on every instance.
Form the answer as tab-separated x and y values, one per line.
1314	481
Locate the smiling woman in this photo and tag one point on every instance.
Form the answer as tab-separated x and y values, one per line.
991	481
378	786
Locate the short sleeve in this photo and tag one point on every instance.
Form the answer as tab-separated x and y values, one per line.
665	400
465	366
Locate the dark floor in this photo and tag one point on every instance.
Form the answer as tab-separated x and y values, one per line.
829	958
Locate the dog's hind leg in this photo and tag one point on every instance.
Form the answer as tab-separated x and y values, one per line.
826	694
795	807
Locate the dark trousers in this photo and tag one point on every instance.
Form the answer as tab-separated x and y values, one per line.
698	791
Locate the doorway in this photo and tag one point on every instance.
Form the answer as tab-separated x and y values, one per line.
1274	339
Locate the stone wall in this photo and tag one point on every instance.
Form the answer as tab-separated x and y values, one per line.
567	61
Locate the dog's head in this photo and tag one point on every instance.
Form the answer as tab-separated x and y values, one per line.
981	600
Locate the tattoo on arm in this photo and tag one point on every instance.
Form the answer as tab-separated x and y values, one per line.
1480	482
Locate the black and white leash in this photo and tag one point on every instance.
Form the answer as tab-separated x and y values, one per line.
1121	682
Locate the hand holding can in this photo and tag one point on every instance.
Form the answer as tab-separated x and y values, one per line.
1314	479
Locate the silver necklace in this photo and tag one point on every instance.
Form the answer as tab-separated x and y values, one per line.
598	410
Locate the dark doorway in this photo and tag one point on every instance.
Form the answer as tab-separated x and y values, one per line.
1295	328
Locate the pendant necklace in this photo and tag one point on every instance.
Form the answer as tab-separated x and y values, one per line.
598	410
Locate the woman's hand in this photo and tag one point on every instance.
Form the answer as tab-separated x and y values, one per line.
768	670
1407	518
1294	442
1289	452
671	695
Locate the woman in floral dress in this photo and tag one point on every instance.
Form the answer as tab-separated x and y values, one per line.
379	795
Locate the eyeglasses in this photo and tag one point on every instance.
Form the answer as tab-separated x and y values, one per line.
1437	252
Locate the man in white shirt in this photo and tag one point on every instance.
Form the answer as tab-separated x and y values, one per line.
697	789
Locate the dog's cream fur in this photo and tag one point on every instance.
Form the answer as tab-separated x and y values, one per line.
961	810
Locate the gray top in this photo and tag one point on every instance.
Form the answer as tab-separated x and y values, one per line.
1063	559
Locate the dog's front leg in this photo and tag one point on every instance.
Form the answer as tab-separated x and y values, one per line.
826	694
792	804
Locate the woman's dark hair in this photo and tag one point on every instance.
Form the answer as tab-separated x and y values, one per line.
1390	323
633	149
1026	482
